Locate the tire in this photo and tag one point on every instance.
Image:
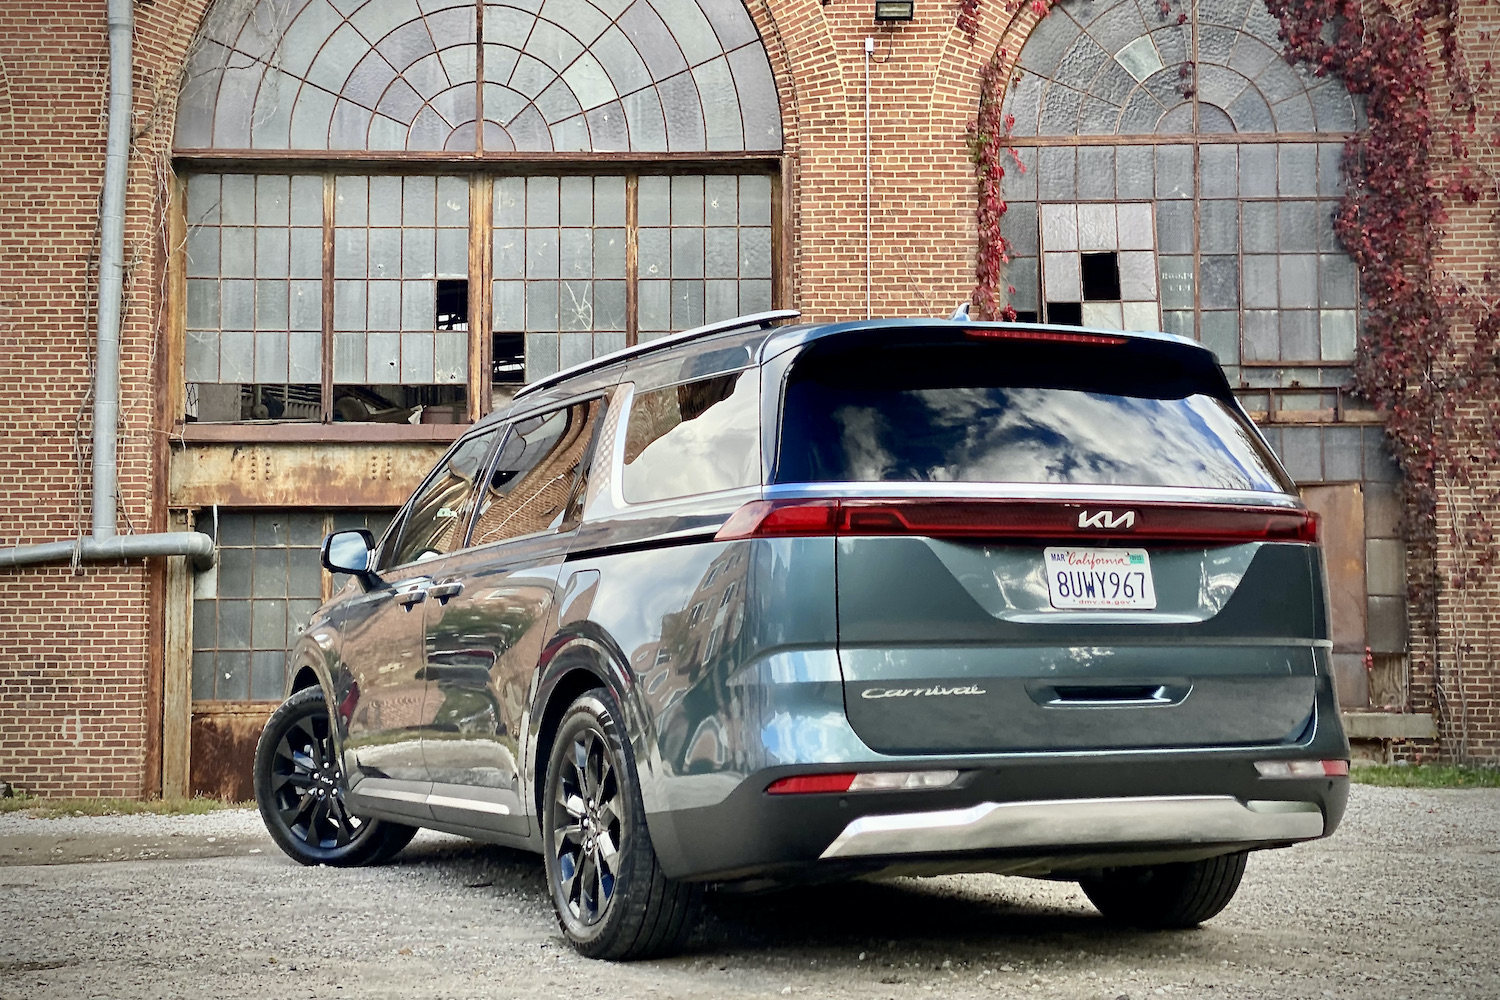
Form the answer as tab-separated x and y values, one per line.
299	787
1167	897
611	898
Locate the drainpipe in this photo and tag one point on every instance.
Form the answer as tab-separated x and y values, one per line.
104	543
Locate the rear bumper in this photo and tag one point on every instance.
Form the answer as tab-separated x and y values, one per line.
1175	820
1033	815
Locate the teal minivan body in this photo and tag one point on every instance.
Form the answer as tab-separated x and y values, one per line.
791	603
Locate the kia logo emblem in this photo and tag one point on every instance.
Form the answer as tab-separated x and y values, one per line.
1106	519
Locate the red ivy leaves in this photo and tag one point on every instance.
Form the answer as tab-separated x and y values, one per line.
1439	392
968	18
968	13
989	142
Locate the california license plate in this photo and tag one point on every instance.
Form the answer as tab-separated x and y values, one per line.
1111	579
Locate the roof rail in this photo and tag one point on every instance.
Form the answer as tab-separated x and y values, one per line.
754	320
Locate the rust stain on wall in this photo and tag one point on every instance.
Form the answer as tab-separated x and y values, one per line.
223	753
299	475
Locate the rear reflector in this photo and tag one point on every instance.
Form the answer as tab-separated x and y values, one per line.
1049	336
869	781
1302	768
1161	522
811	784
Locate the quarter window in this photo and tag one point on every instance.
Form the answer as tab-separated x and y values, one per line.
697	437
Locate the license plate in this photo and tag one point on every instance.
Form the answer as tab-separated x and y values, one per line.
1112	579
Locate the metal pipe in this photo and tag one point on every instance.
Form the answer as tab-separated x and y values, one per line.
198	547
104	544
112	268
869	178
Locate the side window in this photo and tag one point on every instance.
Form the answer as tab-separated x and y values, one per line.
434	523
536	474
697	437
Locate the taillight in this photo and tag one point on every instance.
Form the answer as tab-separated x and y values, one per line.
865	781
1159	522
1048	336
1302	768
781	518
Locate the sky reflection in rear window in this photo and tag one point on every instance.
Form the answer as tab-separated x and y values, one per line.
848	433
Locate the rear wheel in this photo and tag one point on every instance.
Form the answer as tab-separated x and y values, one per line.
1167	897
611	898
299	787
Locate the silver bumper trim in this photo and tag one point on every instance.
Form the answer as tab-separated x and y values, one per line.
1167	819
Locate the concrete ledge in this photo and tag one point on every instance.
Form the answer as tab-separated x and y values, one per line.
1389	726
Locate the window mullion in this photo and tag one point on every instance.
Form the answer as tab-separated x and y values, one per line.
327	366
632	293
481	319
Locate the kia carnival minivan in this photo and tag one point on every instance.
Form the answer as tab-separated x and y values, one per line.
763	603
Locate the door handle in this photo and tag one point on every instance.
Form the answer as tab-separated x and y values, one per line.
443	591
411	598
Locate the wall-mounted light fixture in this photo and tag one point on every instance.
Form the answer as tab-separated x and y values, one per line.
895	10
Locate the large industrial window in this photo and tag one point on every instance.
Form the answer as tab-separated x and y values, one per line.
454	232
1194	176
263	589
355	297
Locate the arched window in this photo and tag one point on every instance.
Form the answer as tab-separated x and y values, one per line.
464	196
1183	177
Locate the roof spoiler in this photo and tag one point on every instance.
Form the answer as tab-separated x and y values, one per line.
762	320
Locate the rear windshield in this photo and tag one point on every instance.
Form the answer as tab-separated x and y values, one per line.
1001	412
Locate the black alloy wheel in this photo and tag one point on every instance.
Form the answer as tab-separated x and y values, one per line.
611	898
586	827
299	786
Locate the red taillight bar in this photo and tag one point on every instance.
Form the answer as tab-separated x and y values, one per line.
811	784
1152	521
1052	336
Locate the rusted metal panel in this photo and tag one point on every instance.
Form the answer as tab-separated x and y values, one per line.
223	752
310	433
299	475
1343	530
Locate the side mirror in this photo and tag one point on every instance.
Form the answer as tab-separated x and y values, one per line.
349	552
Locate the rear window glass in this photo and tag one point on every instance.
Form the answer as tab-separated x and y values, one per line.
1012	413
697	437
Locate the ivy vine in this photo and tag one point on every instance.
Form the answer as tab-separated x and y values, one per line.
1427	357
1428	353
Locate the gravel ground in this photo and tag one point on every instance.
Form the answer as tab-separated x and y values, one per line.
1403	902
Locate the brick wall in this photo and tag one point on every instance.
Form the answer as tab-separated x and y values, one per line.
1462	689
73	649
80	654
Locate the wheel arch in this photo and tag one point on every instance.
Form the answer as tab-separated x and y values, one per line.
303	677
579	666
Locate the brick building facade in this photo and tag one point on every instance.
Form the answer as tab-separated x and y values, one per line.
349	232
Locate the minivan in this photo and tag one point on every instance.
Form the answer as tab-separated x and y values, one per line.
767	602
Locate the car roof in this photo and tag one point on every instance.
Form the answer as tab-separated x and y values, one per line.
774	340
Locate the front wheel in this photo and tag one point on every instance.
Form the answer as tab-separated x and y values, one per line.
299	787
611	898
1167	897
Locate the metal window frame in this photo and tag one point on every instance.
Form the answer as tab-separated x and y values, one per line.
481	175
